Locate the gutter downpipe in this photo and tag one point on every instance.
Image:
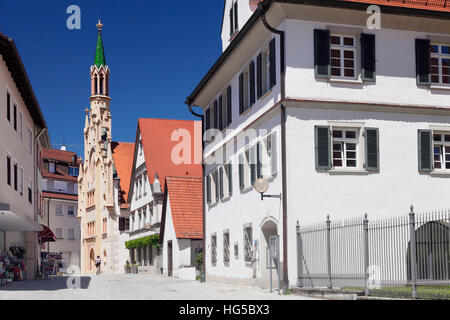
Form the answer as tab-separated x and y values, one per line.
203	274
283	139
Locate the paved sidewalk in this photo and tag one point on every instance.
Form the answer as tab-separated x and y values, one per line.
135	287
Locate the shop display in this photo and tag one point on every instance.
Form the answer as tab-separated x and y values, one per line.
12	265
51	264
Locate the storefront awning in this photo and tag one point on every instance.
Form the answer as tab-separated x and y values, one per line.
11	221
46	235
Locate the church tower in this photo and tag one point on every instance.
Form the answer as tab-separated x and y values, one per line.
96	181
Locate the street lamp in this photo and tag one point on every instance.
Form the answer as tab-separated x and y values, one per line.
262	186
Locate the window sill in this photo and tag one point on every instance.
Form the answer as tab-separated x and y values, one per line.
346	81
439	87
348	171
246	111
440	173
265	95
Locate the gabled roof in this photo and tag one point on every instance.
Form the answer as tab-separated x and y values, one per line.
184	195
157	142
60	155
14	63
122	153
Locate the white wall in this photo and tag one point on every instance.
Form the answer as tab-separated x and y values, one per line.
244	13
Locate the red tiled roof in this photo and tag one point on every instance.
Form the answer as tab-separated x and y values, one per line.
158	145
59	175
433	5
123	153
61	155
184	195
59	196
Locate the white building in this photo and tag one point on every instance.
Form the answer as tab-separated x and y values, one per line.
182	226
153	162
23	134
348	120
60	195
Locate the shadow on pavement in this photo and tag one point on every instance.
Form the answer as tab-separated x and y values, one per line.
46	285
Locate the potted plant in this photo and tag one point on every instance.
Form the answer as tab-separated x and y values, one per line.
128	267
134	268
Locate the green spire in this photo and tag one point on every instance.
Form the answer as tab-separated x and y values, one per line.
100	52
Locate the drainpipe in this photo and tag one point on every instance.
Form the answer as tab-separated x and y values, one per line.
203	275
283	139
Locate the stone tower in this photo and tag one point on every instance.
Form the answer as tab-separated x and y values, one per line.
96	185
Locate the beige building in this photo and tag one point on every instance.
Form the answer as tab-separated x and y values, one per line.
23	133
103	176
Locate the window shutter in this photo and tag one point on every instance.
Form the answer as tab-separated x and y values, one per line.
208	189
216	125
323	148
241	93
236	15
322	65
253	162
259	76
207	119
368	62
241	172
423	61
216	185
8	107
220	114
221	182
273	158
258	160
230	179
252	83
273	65
231	21
372	149
229	106
425	151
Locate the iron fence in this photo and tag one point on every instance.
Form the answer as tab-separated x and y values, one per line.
402	256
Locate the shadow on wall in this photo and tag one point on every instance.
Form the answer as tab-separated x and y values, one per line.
44	285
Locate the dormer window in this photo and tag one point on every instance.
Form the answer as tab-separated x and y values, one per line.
233	18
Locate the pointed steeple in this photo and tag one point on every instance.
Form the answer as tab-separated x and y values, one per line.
100	52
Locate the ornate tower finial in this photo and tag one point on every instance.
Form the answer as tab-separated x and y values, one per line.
99	25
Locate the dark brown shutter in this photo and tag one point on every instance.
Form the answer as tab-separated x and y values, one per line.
273	64
425	151
259	76
423	61
252	83
216	117
220	114
322	65
368	62
229	106
241	93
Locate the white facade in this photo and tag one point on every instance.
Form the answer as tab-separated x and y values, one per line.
394	104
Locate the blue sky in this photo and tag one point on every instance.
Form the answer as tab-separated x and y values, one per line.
157	51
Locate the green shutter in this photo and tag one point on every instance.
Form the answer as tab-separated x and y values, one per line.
221	182
273	158
372	149
241	93
323	147
241	172
208	189
253	162
425	151
273	69
216	184
258	160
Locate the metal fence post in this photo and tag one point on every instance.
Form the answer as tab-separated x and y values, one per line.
366	252
412	240
329	285
299	258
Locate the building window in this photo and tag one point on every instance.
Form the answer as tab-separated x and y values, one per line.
441	147
8	170
59	233
248	240
20	125
51	167
71	234
226	247
440	64
15	117
59	209
266	69
91	229
15	177
213	249
234	24
30	192
345	148
8	106
105	226
74	171
30	140
21	181
71	211
124	224
343	56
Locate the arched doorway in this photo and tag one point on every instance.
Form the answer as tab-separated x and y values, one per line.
91	260
269	228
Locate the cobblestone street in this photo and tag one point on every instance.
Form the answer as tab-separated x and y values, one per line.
135	287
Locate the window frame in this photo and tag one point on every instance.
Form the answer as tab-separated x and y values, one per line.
440	56
342	48
443	144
